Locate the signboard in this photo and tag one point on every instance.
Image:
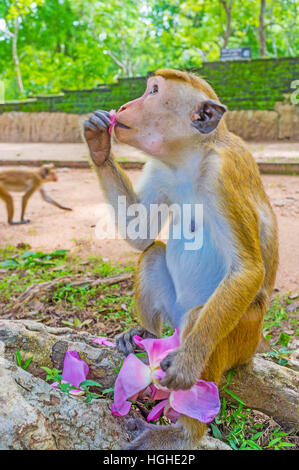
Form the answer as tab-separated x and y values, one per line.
235	54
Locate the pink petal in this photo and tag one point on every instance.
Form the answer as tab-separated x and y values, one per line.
103	340
200	402
75	370
133	377
157	394
156	411
158	374
171	414
157	349
112	120
122	410
74	391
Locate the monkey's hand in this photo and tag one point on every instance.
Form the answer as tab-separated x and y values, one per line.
125	341
97	136
181	372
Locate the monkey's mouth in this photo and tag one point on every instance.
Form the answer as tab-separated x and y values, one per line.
120	124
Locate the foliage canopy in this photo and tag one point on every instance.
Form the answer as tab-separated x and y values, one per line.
71	44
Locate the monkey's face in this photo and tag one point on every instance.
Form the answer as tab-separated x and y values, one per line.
50	175
160	122
47	172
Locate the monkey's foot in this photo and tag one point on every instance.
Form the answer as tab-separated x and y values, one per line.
20	223
161	438
125	341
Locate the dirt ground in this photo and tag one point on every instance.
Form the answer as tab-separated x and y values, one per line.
51	228
34	151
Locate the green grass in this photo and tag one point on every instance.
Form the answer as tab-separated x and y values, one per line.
24	268
238	426
79	307
111	309
277	315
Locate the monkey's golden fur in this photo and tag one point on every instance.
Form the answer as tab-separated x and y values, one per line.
26	181
227	329
231	337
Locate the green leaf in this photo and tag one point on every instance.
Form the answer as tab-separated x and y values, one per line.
58	252
46	369
229	376
90	383
243	446
282	361
273	441
234	396
216	433
25	366
286	444
253	445
141	354
256	435
19	358
108	390
9	264
233	445
283	339
68	323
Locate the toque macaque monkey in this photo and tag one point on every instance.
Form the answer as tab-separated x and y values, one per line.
27	181
216	295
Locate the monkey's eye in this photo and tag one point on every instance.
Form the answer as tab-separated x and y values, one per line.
154	89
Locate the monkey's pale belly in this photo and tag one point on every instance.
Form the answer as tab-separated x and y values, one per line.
195	273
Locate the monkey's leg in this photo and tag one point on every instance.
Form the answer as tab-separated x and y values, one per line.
6	197
25	200
237	348
155	297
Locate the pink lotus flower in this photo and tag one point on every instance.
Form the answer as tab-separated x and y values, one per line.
104	341
112	120
200	402
75	371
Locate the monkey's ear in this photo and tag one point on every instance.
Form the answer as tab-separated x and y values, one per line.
208	115
44	171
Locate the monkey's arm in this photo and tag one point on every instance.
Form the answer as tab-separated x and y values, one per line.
48	199
117	187
130	204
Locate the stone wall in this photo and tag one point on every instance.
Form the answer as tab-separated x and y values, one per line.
40	127
241	85
256	93
282	123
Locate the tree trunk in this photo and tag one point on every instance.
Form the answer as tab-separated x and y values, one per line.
228	12
15	56
261	384
262	30
269	388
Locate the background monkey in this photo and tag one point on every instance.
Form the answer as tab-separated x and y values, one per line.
27	181
217	295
